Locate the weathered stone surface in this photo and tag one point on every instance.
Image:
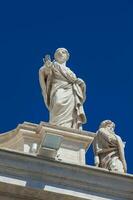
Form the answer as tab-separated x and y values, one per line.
73	147
64	93
27	176
109	148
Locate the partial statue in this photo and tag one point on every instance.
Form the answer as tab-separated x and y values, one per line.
109	148
64	93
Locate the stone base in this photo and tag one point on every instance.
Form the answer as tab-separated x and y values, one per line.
25	176
27	136
28	170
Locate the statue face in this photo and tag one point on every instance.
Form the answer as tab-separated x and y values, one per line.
110	127
61	55
108	124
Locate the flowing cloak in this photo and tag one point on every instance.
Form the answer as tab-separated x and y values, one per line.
63	96
106	145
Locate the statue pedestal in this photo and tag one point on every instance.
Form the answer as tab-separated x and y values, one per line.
32	166
49	141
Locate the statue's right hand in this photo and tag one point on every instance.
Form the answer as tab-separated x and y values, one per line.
48	63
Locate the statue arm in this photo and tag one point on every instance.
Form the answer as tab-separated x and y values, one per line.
96	149
80	81
42	77
107	150
121	152
44	83
44	72
82	85
70	75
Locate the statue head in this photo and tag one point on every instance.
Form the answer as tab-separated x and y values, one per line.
61	55
107	124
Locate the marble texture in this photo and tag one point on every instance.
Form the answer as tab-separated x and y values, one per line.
64	93
26	176
27	138
109	148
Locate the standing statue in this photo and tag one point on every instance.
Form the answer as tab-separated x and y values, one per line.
64	93
109	148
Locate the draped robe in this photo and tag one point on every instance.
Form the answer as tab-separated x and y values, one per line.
110	149
63	96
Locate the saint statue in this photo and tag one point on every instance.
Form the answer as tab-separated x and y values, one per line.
109	148
64	93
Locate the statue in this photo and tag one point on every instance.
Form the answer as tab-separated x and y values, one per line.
109	148
64	93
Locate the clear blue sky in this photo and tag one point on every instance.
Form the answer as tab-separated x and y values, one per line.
99	37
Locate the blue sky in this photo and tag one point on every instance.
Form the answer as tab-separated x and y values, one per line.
99	37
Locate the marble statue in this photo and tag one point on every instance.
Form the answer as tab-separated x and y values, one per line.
64	93
109	148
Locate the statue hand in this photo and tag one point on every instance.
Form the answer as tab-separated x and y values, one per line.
45	69
96	160
48	63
